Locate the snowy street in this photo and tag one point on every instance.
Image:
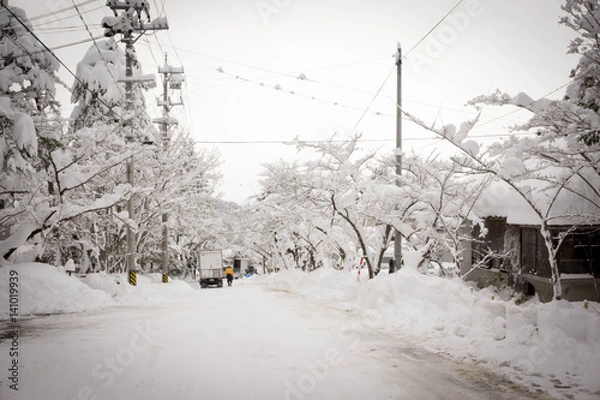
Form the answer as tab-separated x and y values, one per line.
245	342
418	220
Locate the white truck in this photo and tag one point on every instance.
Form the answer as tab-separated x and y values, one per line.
211	268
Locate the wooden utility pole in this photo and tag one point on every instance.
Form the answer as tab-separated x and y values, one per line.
172	78
128	22
398	235
131	237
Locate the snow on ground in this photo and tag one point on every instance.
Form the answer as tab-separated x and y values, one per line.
245	342
554	346
44	289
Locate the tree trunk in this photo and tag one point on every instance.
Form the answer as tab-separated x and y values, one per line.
555	273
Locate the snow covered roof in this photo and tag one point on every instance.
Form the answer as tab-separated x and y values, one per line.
574	203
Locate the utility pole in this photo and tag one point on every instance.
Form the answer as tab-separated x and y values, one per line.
398	235
127	23
172	78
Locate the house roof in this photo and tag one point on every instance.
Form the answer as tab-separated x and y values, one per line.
575	202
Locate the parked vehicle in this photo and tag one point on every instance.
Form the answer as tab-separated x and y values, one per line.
240	267
211	268
431	267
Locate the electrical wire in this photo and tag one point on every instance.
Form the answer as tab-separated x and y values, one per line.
289	142
276	74
403	57
52	21
432	29
53	13
520	109
110	109
27	52
63	46
280	89
372	100
236	78
98	49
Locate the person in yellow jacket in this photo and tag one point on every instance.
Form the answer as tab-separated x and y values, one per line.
229	275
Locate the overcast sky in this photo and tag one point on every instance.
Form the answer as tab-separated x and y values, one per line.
345	50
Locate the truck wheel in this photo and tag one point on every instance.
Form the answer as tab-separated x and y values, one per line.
220	284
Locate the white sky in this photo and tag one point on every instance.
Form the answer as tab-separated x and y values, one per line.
345	49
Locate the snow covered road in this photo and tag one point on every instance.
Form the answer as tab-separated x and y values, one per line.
244	342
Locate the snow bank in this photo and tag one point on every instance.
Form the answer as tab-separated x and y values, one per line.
324	283
45	289
149	289
554	346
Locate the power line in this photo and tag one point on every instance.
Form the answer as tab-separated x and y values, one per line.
52	21
280	89
373	99
519	109
392	70
433	29
347	64
62	46
236	78
64	29
301	77
53	13
98	49
109	108
27	52
291	142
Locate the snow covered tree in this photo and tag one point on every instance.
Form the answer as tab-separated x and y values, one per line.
297	229
99	92
555	170
182	182
583	16
94	151
27	90
446	198
345	191
27	70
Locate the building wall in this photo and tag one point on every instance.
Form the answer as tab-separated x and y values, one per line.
517	256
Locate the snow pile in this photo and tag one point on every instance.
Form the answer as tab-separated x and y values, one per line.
554	346
324	283
149	289
45	289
